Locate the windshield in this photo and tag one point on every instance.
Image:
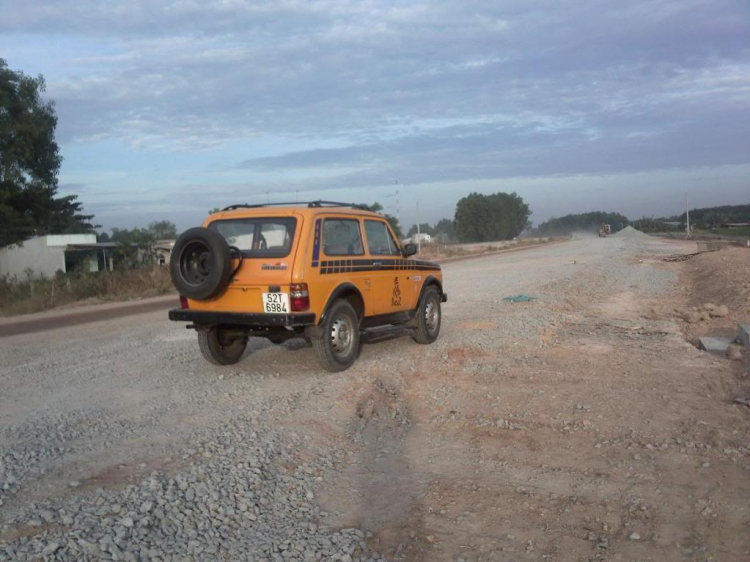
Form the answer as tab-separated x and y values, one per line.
258	237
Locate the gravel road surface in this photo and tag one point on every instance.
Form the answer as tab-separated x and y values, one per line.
580	426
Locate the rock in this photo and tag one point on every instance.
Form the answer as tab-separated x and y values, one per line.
692	317
717	346
127	522
50	549
719	312
734	352
74	484
744	335
635	537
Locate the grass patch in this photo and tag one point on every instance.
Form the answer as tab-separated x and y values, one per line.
38	295
726	232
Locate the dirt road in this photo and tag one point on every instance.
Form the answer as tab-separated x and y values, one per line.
580	426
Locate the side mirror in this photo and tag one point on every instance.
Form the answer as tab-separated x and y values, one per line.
410	250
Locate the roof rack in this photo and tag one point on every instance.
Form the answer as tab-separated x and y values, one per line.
310	204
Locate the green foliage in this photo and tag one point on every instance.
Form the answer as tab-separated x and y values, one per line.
714	217
483	218
446	228
30	163
393	221
582	222
135	248
424	228
163	230
650	224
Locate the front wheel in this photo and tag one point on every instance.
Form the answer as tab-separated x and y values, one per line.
338	346
428	318
219	347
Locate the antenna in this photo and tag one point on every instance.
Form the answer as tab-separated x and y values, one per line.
398	206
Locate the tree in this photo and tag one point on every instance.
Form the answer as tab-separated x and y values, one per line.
30	163
424	228
582	222
135	248
445	228
393	221
484	218
102	237
163	230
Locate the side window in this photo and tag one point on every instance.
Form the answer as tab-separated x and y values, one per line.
379	239
341	237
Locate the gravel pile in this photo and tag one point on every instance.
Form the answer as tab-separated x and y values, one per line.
244	496
630	232
38	442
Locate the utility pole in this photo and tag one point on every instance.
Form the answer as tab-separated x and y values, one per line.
687	215
419	238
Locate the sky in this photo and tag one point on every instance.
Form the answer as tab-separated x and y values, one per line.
168	109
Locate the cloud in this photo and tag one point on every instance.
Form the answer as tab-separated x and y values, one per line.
409	90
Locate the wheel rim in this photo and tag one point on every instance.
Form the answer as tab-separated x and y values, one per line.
431	315
195	263
342	336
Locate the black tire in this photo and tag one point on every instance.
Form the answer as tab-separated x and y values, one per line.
219	350
200	264
338	347
429	317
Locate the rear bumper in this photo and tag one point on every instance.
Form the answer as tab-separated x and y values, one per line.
207	317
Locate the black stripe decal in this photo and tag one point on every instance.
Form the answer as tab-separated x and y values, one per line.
363	265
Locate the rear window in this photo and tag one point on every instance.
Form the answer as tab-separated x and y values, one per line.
258	238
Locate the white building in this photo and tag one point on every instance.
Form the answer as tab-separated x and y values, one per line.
44	256
420	238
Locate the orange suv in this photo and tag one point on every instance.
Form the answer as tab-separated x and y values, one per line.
329	272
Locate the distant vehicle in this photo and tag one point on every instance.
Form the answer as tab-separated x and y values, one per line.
327	272
604	230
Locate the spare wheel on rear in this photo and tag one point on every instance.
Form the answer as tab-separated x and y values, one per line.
200	264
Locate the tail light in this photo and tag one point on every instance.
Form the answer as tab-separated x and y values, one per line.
299	297
183	302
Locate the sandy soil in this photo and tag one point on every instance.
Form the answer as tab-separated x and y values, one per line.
580	426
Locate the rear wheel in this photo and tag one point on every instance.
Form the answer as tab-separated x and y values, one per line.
219	347
429	317
338	347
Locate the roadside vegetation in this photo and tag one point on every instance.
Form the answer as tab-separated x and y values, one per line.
29	296
582	222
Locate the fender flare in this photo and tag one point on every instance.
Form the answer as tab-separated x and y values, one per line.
347	287
430	280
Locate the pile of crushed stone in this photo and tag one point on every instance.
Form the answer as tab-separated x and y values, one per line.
630	232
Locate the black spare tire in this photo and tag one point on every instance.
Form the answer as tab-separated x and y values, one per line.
200	264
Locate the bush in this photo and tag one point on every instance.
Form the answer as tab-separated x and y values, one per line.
23	297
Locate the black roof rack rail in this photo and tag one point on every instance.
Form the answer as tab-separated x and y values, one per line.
310	204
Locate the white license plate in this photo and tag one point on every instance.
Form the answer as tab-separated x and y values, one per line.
275	303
